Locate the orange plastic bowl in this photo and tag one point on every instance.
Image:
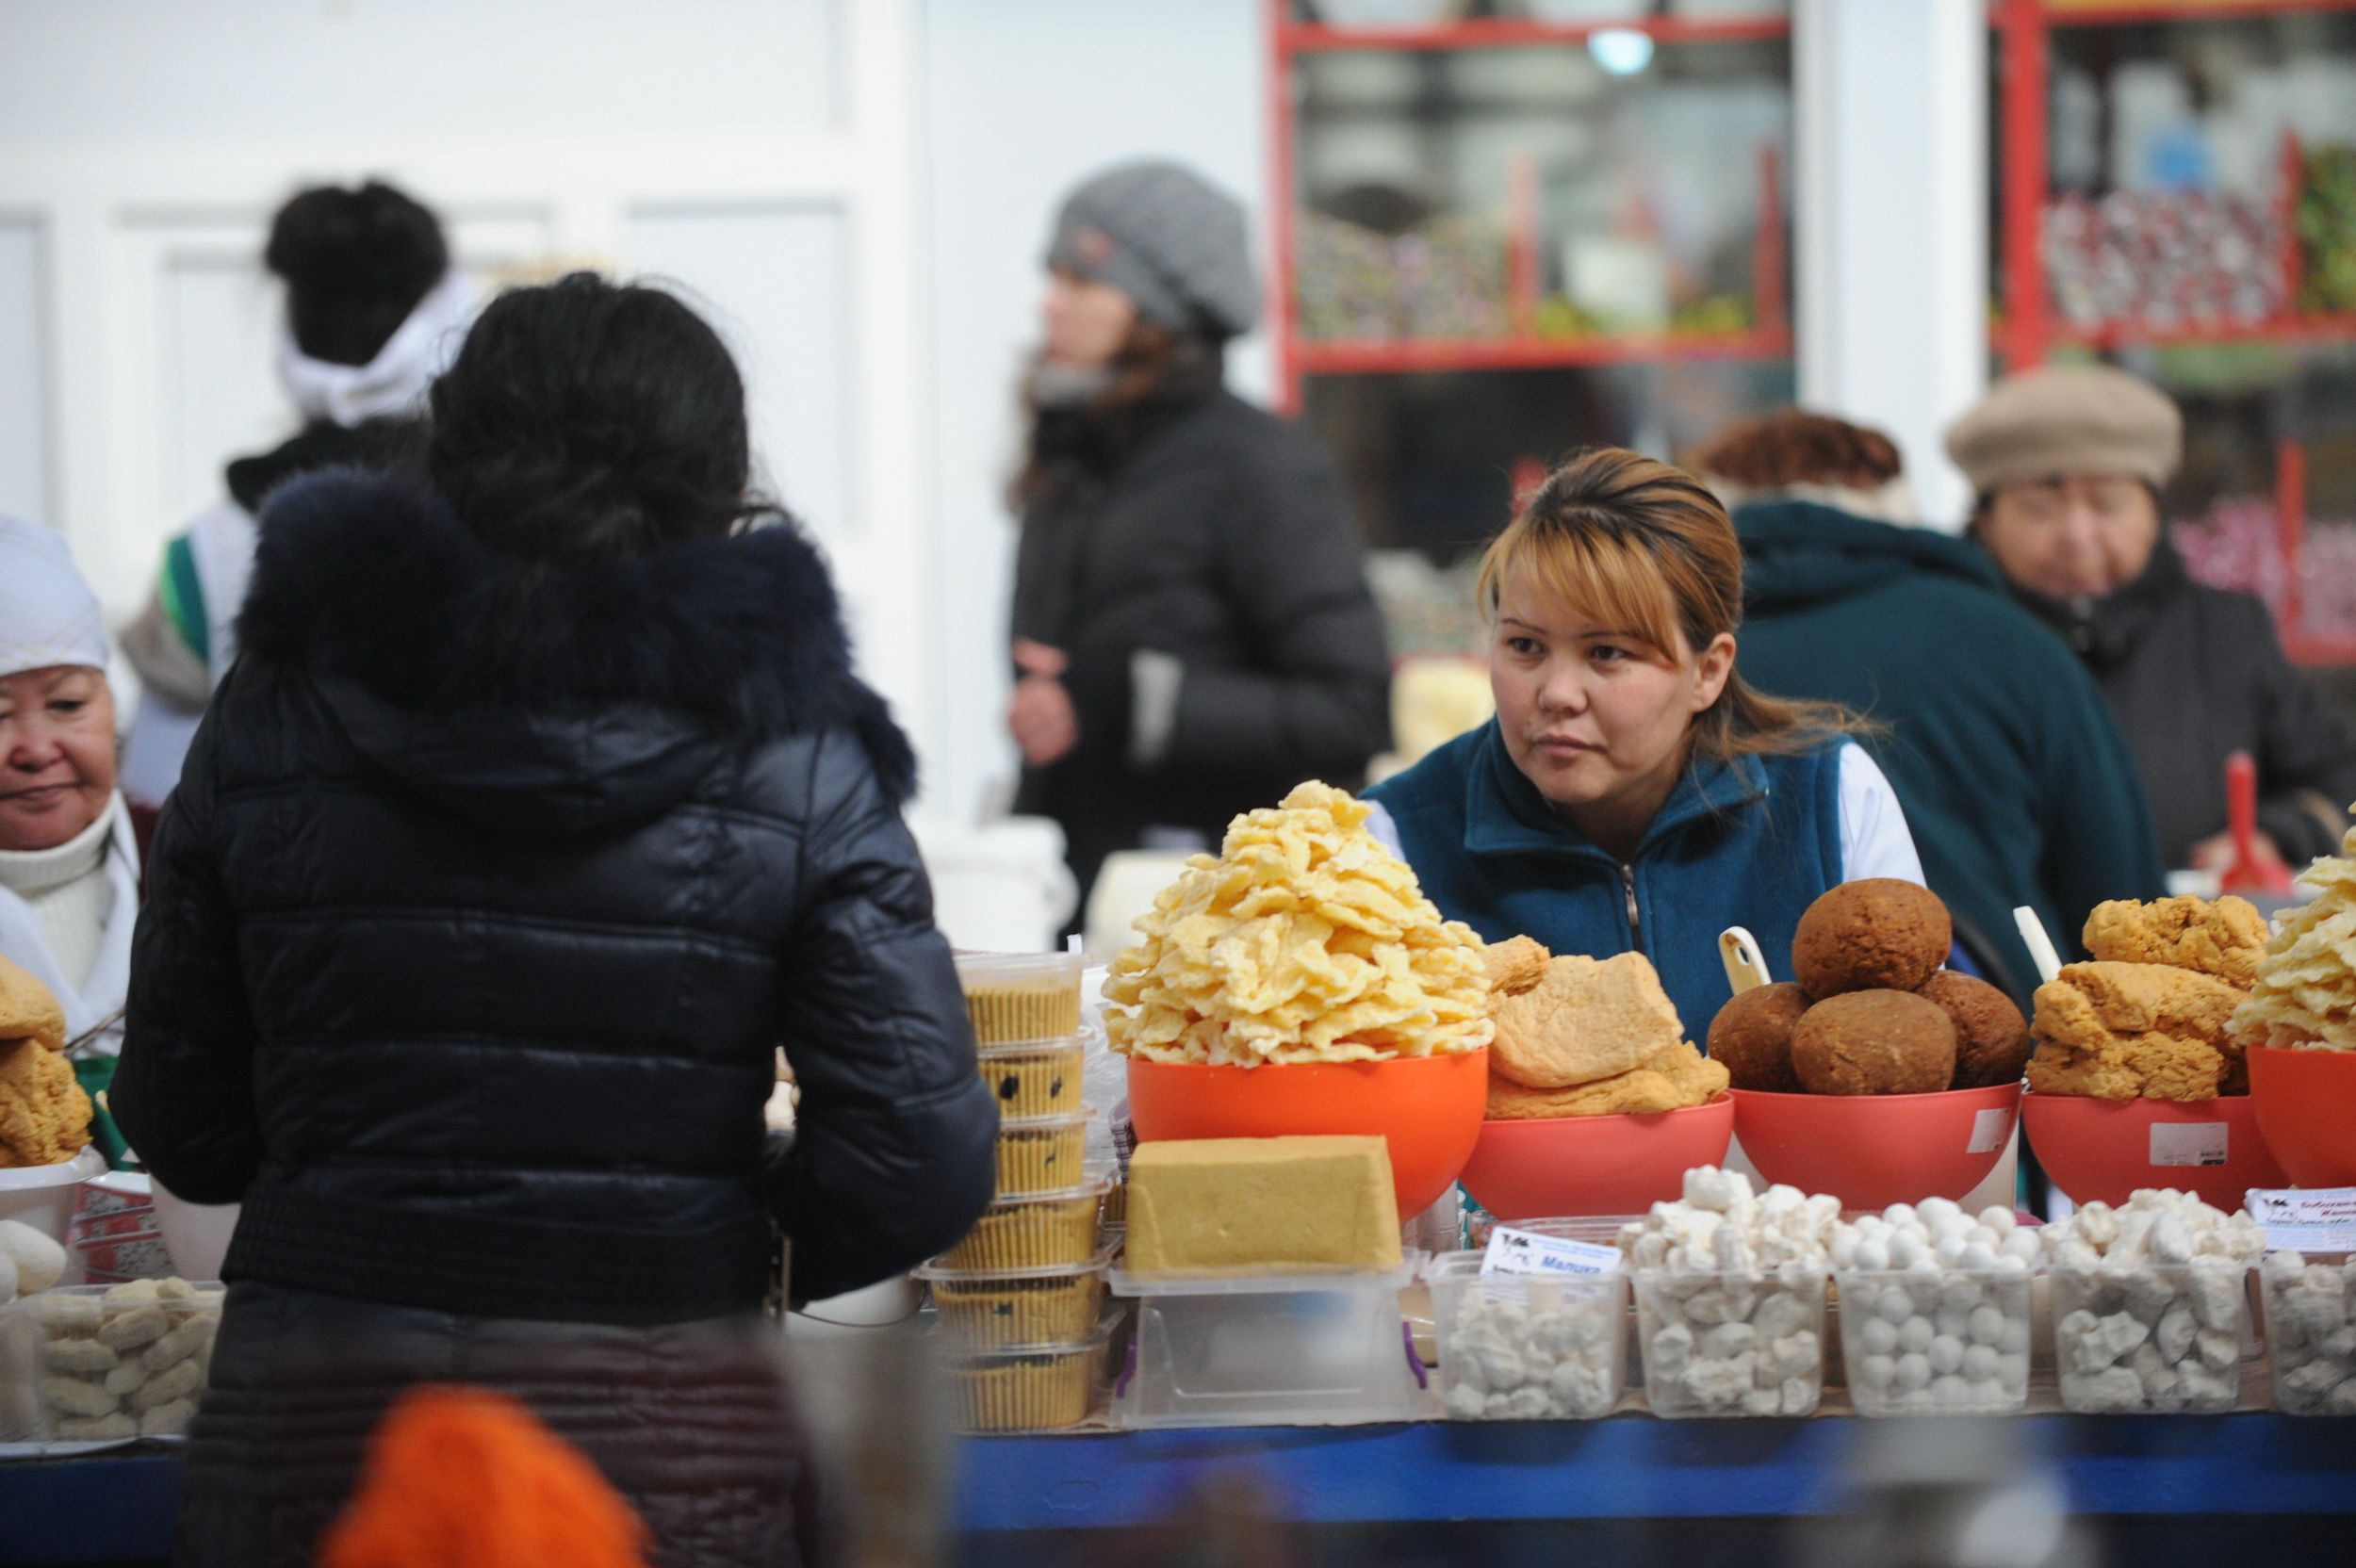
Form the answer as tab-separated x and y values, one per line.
1870	1150
1428	1108
1578	1165
2100	1151
2306	1102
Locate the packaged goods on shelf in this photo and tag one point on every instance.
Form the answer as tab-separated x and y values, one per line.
2311	1332
105	1363
2150	1301
1528	1347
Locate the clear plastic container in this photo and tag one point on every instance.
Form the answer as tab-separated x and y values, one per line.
1026	1388
1034	1230
1270	1350
1036	1078
1946	1341
2310	1332
1745	1343
1602	1230
1025	1306
1047	1153
1528	1347
100	1363
1021	996
2143	1337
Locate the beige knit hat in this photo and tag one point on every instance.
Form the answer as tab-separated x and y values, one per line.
2066	422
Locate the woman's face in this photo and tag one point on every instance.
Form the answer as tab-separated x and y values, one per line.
1087	321
56	754
2071	538
1591	715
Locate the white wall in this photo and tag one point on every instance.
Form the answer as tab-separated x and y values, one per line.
760	151
1021	99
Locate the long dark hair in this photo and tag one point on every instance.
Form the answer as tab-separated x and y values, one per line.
1155	371
584	418
1645	547
355	263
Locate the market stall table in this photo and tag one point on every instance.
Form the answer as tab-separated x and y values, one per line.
117	1508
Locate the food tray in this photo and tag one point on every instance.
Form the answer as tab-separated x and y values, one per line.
1021	996
1747	1342
1042	1154
1040	1230
2310	1332
1018	1388
1036	1078
100	1364
1528	1347
2148	1338
1951	1341
1030	1306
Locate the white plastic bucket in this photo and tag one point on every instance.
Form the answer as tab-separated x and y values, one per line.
196	1234
43	1194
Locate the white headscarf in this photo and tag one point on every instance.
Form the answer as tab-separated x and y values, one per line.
48	615
396	380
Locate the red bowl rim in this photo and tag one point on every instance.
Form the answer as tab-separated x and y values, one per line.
2301	1051
1720	1101
2020	1085
2140	1103
1428	1059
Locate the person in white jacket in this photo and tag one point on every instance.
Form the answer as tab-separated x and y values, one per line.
69	862
374	312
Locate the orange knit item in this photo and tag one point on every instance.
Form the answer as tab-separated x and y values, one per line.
464	1478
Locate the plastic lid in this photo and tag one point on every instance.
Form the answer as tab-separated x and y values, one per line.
1125	1282
65	1173
1042	1044
1095	1187
1095	1339
1019	965
934	1270
1080	1118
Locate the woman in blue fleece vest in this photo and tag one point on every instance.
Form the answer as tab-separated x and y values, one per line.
1633	793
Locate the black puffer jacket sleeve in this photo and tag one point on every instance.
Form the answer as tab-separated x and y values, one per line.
183	1092
892	1158
1319	704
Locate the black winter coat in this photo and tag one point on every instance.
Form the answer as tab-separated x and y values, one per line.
2194	674
1219	537
488	893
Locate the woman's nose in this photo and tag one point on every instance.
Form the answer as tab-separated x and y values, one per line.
1562	691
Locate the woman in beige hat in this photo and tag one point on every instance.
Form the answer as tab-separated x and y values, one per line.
2067	463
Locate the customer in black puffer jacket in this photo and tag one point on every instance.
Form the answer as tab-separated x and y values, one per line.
541	808
1193	635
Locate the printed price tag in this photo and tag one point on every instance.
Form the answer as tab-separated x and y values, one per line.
1512	1252
1989	1130
2189	1142
2319	1220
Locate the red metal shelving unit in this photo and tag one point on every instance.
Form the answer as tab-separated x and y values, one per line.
2028	331
1521	347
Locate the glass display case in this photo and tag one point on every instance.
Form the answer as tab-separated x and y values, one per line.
1516	227
2176	193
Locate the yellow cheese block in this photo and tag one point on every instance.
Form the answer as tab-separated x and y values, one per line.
1224	1205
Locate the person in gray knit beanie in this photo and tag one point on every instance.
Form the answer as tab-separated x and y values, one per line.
1167	238
1192	634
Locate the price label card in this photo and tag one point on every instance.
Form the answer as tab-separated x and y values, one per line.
2316	1220
1989	1130
1512	1252
2188	1143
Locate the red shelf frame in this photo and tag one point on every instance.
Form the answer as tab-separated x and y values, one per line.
2199	10
1521	348
2029	332
1516	32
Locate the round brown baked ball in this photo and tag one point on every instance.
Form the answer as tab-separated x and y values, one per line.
1874	1043
1752	1038
1876	935
1992	1041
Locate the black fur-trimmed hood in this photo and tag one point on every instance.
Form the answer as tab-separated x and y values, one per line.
549	698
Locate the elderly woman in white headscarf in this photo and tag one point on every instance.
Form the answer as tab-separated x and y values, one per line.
374	312
68	865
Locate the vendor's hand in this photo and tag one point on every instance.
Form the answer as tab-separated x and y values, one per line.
1042	717
2218	853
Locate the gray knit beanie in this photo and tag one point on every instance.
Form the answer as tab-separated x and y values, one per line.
1168	240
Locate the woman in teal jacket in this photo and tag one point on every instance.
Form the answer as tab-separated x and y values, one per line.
1633	792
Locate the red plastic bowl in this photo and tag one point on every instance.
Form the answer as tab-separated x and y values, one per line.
2306	1102
1429	1109
1583	1165
2100	1151
1870	1150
